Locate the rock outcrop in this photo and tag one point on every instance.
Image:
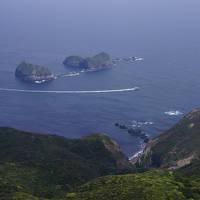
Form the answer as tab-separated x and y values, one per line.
177	147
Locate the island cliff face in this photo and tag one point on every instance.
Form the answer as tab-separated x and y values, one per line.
177	147
99	61
33	73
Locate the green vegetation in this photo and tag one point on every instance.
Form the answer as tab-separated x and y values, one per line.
30	72
153	185
49	166
190	177
74	61
44	167
98	61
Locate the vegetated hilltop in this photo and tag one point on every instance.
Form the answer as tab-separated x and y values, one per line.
99	61
33	73
49	165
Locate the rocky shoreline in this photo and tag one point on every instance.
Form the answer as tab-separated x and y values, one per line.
134	158
135	132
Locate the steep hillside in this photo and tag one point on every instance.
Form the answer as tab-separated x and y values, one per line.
153	185
176	148
49	165
44	167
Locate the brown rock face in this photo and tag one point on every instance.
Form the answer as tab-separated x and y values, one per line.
177	147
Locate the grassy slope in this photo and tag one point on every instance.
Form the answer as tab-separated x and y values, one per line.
153	185
182	184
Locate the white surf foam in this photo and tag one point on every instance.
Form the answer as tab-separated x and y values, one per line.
139	59
69	91
72	74
173	113
39	82
140	124
138	153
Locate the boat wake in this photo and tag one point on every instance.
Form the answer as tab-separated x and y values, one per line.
69	91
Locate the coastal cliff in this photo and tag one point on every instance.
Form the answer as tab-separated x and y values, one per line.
177	147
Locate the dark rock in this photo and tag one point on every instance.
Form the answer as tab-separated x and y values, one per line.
146	140
143	136
130	59
117	124
127	59
123	126
135	132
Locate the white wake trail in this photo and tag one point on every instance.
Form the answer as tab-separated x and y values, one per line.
69	91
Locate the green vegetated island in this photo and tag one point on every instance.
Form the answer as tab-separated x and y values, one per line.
96	62
44	167
39	74
33	73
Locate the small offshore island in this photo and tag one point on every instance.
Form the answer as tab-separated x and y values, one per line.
97	62
33	73
38	74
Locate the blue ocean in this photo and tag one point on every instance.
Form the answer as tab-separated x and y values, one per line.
164	33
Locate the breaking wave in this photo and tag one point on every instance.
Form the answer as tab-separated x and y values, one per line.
173	113
139	124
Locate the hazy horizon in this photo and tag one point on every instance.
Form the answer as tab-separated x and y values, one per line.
89	25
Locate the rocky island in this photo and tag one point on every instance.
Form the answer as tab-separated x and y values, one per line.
97	62
33	73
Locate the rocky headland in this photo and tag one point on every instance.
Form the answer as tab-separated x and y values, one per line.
176	148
